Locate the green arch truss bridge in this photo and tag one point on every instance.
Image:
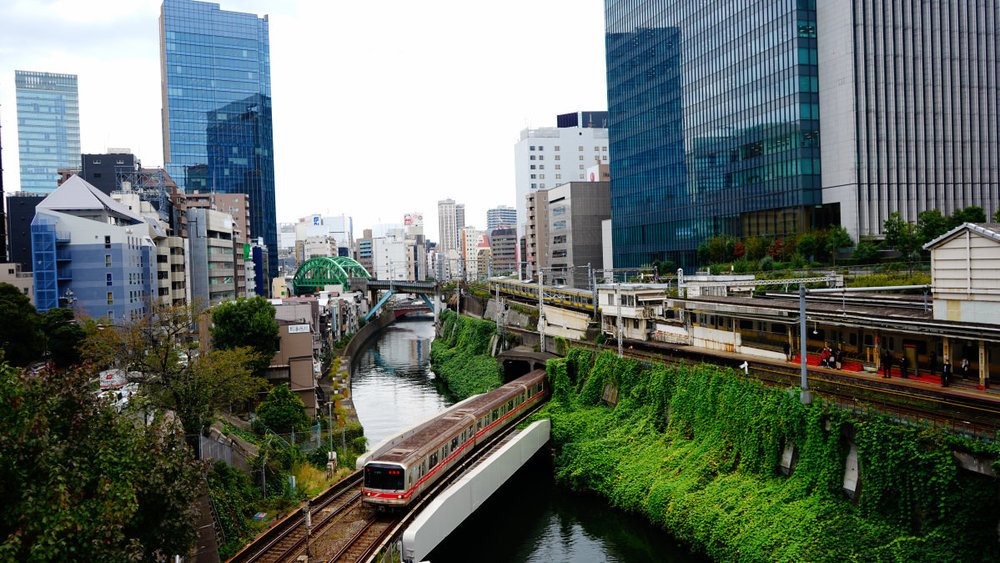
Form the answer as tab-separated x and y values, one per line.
320	271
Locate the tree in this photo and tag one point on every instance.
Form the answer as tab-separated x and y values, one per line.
62	337
756	248
930	225
718	249
155	352
900	235
704	256
81	482
739	251
283	410
247	322
996	216
807	245
664	267
971	214
836	238
20	336
865	253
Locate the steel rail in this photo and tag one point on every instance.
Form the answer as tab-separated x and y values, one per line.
267	540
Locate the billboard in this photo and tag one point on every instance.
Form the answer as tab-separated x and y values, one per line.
413	220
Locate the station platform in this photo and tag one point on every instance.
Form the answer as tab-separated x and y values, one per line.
922	384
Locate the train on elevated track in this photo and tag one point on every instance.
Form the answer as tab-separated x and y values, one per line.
578	299
397	477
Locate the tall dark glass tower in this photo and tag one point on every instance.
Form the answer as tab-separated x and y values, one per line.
716	111
216	73
714	123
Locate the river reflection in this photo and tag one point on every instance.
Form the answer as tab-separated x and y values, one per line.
392	383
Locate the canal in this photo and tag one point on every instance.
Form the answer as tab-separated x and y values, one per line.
530	518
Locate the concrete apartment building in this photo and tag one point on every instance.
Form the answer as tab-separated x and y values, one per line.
11	273
212	261
503	251
170	286
563	233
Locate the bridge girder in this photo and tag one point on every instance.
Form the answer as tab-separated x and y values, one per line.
326	270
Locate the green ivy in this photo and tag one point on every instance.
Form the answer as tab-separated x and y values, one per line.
697	450
461	357
233	498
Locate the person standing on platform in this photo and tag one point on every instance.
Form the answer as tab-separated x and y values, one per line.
945	372
965	368
886	360
788	352
902	367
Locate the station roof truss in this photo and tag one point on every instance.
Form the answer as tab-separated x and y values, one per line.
315	273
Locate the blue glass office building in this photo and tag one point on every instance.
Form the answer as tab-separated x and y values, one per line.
48	127
216	92
714	123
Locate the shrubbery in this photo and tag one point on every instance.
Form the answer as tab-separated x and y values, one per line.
697	450
461	358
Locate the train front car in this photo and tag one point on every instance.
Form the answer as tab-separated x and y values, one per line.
385	484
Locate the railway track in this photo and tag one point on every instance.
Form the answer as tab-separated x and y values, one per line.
286	539
364	544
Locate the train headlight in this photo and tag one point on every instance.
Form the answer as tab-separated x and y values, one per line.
400	497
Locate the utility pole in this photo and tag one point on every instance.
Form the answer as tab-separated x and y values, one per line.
806	394
541	312
592	280
618	298
263	467
308	523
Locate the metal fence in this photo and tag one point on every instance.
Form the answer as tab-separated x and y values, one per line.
212	449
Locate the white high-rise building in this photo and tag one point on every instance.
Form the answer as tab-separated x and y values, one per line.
451	219
546	157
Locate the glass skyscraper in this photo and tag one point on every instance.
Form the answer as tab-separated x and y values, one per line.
216	92
48	127
716	111
714	123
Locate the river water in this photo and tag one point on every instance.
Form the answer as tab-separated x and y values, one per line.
530	518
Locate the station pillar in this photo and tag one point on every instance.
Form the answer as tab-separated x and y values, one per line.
984	366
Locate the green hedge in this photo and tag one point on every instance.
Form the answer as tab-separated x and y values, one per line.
697	450
461	357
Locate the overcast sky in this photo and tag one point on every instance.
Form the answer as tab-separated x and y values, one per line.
380	108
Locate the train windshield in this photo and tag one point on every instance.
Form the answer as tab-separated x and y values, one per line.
385	477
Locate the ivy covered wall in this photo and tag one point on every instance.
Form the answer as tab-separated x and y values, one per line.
697	450
461	358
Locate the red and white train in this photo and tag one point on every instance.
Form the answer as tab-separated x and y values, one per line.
397	477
